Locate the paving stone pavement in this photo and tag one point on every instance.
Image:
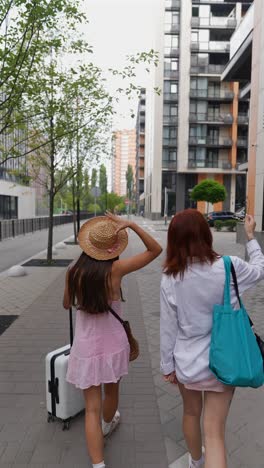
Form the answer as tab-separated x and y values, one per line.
150	435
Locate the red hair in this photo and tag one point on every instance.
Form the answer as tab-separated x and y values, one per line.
189	239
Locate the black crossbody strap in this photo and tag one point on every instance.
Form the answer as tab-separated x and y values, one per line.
116	315
234	276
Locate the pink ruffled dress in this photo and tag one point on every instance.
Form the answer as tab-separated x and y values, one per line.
100	351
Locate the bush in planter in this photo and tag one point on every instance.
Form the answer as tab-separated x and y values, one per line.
231	225
218	225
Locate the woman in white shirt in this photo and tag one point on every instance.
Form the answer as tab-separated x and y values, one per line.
192	283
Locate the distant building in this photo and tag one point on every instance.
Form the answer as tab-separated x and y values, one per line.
246	65
140	157
123	154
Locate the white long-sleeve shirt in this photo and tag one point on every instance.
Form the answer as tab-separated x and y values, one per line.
186	312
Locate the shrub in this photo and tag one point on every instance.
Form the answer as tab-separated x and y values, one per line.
231	225
219	225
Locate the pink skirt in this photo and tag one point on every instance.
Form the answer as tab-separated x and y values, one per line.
100	351
208	385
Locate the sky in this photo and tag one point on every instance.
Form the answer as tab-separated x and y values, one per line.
118	28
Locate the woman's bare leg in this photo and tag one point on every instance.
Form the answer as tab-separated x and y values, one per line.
110	403
192	410
216	409
93	423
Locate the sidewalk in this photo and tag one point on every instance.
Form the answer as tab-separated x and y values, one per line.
150	435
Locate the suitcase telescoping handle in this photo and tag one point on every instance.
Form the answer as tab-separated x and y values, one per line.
71	325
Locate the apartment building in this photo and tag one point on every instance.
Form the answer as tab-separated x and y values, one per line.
246	66
123	154
140	156
198	129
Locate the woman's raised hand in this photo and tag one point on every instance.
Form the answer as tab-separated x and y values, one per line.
250	226
120	222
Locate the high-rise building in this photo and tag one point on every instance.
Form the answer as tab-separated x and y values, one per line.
140	157
198	129
123	154
246	65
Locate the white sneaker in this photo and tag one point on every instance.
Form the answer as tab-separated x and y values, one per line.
108	428
200	464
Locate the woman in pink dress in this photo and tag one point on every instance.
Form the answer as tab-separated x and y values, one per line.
193	281
100	351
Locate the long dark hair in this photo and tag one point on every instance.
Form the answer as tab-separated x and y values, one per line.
89	284
189	239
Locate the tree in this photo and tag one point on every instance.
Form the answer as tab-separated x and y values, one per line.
130	180
209	190
114	201
103	179
94	178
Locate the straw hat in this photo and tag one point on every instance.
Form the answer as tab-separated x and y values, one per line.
98	239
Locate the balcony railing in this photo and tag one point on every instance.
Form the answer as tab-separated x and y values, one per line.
170	119
171	52
171	74
214	21
172	28
169	165
172	4
170	96
205	117
211	46
242	119
205	68
204	164
242	142
208	141
210	94
170	142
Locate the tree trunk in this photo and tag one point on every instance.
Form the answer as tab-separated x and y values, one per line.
74	211
51	193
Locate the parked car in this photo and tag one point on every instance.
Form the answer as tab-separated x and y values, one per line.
220	216
240	214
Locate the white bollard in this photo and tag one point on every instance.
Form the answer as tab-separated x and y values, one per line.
16	270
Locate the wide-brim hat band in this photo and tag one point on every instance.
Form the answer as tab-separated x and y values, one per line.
98	238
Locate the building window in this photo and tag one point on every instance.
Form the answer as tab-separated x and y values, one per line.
171	42
195	12
8	207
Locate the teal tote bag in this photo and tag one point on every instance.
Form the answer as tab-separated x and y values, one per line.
235	358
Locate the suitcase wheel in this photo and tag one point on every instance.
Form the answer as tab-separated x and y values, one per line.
66	425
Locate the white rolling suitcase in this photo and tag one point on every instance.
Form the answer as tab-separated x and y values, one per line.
64	401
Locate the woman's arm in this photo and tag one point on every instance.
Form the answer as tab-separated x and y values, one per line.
168	329
250	273
125	266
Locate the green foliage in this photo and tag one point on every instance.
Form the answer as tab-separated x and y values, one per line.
230	224
209	190
115	202
103	179
130	180
218	225
92	207
94	178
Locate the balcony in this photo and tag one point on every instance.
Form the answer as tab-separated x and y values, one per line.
225	119
171	74
172	4
172	28
170	119
216	22
212	95
171	142
172	52
207	69
172	165
170	97
211	142
242	119
211	46
204	164
242	142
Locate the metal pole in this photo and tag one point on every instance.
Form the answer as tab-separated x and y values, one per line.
94	206
166	206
